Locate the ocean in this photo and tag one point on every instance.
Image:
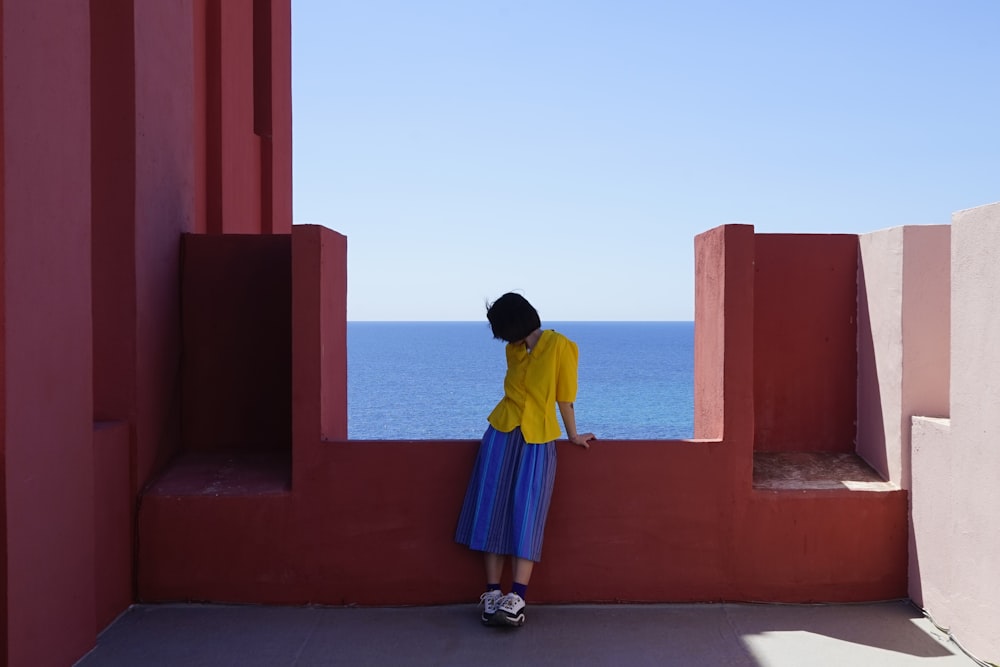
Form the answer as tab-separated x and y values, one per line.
440	380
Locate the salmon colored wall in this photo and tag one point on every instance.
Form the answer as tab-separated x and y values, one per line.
805	337
48	440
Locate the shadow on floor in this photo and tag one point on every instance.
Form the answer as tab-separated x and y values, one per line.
890	634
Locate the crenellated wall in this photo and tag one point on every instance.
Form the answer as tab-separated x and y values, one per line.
169	337
632	520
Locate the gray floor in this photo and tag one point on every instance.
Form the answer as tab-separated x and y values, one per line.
890	633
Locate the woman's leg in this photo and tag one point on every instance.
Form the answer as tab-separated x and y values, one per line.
522	570
494	567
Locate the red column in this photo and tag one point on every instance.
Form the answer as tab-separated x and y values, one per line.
46	344
319	345
723	341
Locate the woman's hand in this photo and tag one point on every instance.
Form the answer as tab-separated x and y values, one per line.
569	421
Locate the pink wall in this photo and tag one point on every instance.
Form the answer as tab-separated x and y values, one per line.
956	462
881	420
927	406
903	339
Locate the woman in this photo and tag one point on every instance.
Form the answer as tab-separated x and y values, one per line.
508	495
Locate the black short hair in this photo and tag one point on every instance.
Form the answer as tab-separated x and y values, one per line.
512	318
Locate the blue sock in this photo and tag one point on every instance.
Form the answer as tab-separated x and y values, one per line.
492	587
520	589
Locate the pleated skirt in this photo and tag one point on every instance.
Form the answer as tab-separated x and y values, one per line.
508	496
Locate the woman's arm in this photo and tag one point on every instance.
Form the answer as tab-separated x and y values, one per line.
569	421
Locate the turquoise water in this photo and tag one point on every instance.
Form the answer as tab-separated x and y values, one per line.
441	379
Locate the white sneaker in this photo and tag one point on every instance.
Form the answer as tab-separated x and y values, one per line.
490	601
511	610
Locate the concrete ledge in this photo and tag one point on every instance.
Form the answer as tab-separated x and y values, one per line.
797	471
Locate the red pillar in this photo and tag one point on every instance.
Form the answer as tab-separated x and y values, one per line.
319	346
723	353
47	435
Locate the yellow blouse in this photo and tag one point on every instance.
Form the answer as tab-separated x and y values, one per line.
535	381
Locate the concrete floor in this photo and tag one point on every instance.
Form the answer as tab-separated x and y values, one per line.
889	633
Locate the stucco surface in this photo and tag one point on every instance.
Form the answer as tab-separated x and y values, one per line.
903	339
955	464
880	350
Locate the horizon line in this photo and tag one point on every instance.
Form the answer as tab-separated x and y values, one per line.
484	321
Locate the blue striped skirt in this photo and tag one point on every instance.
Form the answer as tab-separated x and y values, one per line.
508	496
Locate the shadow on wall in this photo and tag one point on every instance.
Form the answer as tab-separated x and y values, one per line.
870	413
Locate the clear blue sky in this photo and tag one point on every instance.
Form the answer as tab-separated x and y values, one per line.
572	149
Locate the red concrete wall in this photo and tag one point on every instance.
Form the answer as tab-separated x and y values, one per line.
248	96
90	250
113	124
3	352
165	159
709	335
113	521
113	301
187	107
319	347
48	408
812	546
276	145
805	342
645	521
636	521
237	365
142	199
724	302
